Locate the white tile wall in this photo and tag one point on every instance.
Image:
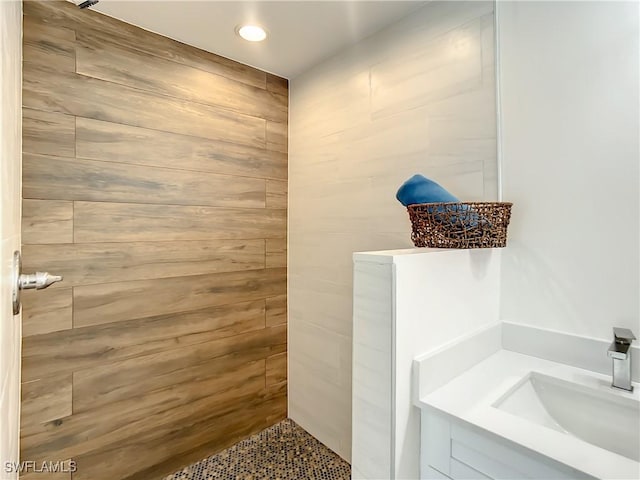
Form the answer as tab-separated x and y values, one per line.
10	181
418	96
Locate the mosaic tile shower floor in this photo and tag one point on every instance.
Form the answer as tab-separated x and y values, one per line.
282	452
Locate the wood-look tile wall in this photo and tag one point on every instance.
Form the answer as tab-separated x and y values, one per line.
155	181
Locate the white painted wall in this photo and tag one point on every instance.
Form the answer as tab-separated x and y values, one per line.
569	86
416	97
10	195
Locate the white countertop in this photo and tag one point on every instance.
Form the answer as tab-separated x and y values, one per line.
470	397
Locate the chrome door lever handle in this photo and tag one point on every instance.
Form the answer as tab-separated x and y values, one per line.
34	281
38	280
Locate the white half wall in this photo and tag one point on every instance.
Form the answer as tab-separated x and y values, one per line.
407	302
416	97
570	141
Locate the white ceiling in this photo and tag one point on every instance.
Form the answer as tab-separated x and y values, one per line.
301	33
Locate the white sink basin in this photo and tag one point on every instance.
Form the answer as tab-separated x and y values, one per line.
607	420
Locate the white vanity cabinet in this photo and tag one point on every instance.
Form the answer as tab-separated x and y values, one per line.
452	449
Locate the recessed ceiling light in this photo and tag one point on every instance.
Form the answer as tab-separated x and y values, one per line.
252	33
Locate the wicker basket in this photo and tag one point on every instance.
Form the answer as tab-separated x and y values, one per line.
460	225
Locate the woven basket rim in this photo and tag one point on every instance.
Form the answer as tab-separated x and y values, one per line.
460	224
460	203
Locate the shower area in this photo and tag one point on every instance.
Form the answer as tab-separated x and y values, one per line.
155	183
159	180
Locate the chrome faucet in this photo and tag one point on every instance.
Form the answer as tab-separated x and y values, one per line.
620	352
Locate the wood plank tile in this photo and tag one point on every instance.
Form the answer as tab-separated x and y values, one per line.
279	410
276	369
277	136
277	84
87	264
64	472
91	347
47	222
171	440
106	61
46	400
278	407
61	14
276	194
33	28
113	302
231	431
81	433
276	310
48	45
113	142
48	133
276	254
58	178
271	407
48	310
138	376
49	90
125	222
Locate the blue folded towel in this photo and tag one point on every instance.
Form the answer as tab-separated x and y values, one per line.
419	189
